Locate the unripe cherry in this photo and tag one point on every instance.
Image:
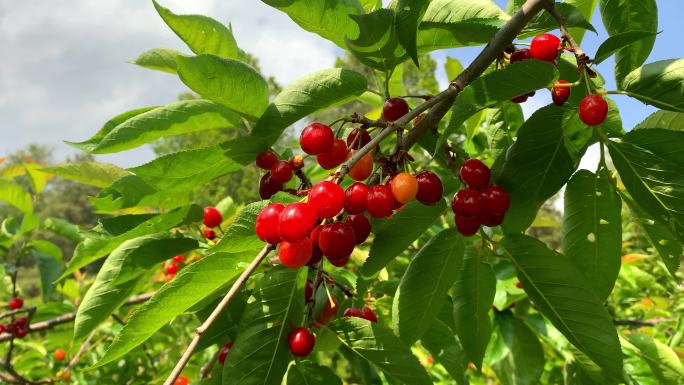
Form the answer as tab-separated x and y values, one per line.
358	138
430	188
467	226
545	47
301	342
336	240
209	234
267	223
495	200
355	198
361	312
520	55
59	354
593	110
171	268
363	168
316	138
474	173
212	217
394	108
333	157
361	227
560	95
404	187
16	303
266	160
379	202
467	202
268	186
282	171
296	221
329	311
296	253
327	198
223	353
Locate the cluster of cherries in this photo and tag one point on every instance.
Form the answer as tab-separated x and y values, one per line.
593	109
480	203
212	219
172	266
18	328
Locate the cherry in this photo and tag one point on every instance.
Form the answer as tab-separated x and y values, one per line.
171	268
169	277
518	285
493	219
316	138
2	328
333	157
363	168
329	311
379	202
301	342
223	353
593	110
16	303
209	234
296	221
308	291
337	240
21	321
339	262
520	99
355	198
59	354
394	108
358	138
181	380
178	258
474	173
430	188
267	223
327	198
11	328
295	254
495	200
361	312
520	55
545	47
316	254
20	332
560	95
467	202
268	186
212	217
361	227
282	171
404	187
266	160
467	225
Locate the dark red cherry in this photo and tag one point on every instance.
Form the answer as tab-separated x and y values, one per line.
467	226
16	303
430	188
394	108
361	227
467	202
474	173
267	223
212	217
308	291
296	221
495	200
492	219
593	110
171	268
316	254
209	234
21	321
339	262
327	198
333	157
316	138
295	254
520	55
520	99
361	312
266	160
358	138
282	171
268	186
560	95
223	353
337	240
545	47
355	198
301	342
329	311
20	332
379	201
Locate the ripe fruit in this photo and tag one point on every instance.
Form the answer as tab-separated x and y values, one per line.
474	173
212	217
334	156
181	380
404	187
492	219
361	227
209	234
520	99
282	171
268	186
593	110
21	321
355	198
339	262
495	200
267	223
316	138
329	311
467	225
430	188
301	342
327	198
361	312
16	303
316	254
358	138
379	202
296	221
560	95
295	254
178	258
172	268
59	354
363	168
394	108
20	332
467	202
2	328
336	240
266	159
520	55
223	353
545	47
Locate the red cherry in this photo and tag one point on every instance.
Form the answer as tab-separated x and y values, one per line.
296	221
593	110
171	268
316	138
495	200
474	173
223	353
209	234
21	321
467	225
267	223
181	380
358	138
16	303
545	47
394	108
355	198
301	342
2	328
212	217
11	328
361	227
339	262
430	188
361	312
282	171
520	55
316	254
266	159
295	254
518	285
178	258
493	219
329	311
363	168
268	186
560	95
520	99
467	202
327	198
333	157
337	240
20	332
308	291
379	201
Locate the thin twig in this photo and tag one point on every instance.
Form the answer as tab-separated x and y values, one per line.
9	313
205	370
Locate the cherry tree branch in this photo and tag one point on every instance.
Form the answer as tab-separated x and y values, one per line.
579	53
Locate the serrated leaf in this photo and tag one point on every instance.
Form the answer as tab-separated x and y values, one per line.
439	340
619	41
90	173
111	124
423	288
668	120
260	353
667	144
240	235
586	9
377	44
16	196
662	360
660	84
543	22
524	363
377	345
309	373
50	264
399	232
408	14
202	34
473	295
229	82
564	296
159	59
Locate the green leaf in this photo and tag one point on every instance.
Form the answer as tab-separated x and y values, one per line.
473	295
323	89
399	232
544	22
160	59
407	18
229	82
191	285
37	178
202	34
50	264
619	41
524	363
260	354
309	373
667	144
537	165
668	120
592	229
63	228
660	84
240	235
16	196
90	173
564	296
630	15
377	345
328	19
146	126
109	126
586	9
452	67
121	272
377	45
579	136
423	288
663	361
439	340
